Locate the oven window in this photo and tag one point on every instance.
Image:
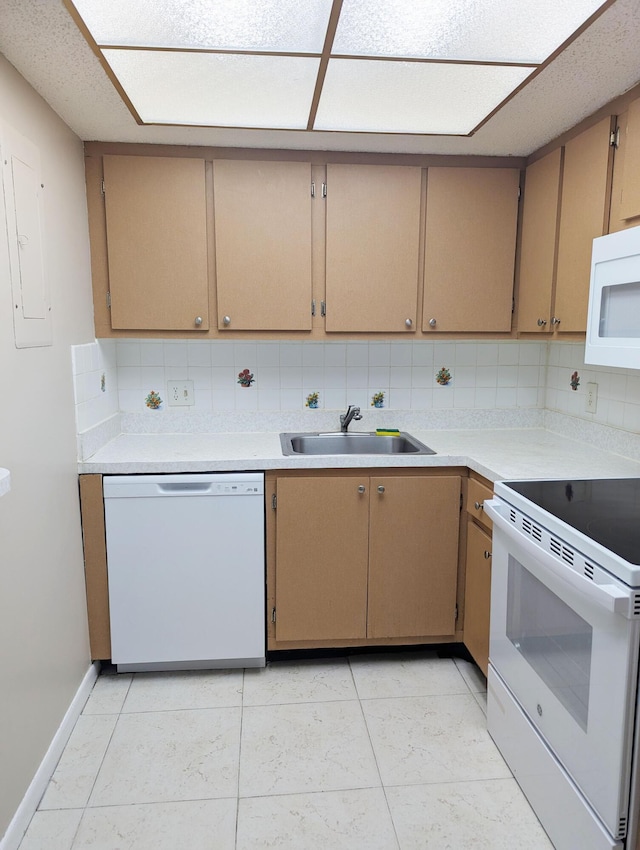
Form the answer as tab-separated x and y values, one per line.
552	638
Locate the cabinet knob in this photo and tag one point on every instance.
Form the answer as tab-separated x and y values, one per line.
432	323
197	321
380	488
361	488
226	320
487	555
478	505
542	323
408	322
555	321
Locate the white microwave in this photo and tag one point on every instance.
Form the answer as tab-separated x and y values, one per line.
613	322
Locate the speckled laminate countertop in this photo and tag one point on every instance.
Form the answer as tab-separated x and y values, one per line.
493	453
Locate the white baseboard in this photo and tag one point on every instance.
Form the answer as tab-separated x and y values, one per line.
27	808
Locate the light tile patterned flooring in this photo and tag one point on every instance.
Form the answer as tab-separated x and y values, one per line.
365	753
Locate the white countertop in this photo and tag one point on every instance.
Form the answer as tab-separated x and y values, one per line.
493	453
5	481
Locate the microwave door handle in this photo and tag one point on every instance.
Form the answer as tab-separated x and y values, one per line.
607	596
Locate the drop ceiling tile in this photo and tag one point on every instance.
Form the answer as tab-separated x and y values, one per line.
496	31
217	89
270	25
409	97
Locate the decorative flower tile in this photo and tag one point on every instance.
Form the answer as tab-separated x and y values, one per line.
245	378
377	399
153	400
574	383
443	376
313	400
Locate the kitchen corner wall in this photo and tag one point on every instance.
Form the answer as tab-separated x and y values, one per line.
44	645
618	390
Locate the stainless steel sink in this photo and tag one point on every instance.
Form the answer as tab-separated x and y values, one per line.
352	443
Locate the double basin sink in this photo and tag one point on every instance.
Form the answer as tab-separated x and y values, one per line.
352	443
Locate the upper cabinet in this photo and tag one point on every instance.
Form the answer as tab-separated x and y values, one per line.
584	215
625	192
538	246
470	247
373	247
566	205
262	215
156	243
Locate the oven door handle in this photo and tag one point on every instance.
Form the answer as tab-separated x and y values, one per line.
608	596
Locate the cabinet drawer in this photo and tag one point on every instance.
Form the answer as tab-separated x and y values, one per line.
476	494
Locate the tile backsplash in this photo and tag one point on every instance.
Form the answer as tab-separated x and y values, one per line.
112	376
484	375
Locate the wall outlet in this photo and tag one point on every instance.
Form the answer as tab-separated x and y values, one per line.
591	398
180	393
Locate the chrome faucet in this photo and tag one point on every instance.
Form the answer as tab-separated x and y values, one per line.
345	418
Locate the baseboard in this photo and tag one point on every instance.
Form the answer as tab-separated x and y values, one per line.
25	811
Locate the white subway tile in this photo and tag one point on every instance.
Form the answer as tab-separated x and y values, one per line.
422	354
201	376
378	376
199	353
291	399
506	397
615	414
464	376
245	356
400	377
246	398
222	354
508	353
357	355
357	376
379	353
422	376
290	377
291	355
335	354
268	399
421	398
528	376
466	354
442	398
507	376
269	379
152	376
313	355
335	377
223	399
175	354
152	354
132	400
485	398
464	397
399	398
334	399
487	376
444	354
487	354
127	353
268	354
129	378
401	354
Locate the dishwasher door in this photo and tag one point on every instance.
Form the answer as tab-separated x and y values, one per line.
186	567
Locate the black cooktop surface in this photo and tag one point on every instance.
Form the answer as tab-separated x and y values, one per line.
605	510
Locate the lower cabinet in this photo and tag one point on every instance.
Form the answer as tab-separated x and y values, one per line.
477	590
363	558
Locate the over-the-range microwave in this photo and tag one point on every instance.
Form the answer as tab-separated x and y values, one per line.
613	323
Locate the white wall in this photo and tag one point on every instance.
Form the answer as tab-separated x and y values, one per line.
44	650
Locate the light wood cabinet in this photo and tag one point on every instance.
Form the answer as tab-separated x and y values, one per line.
470	248
625	191
372	248
540	219
584	215
262	215
477	591
360	558
156	232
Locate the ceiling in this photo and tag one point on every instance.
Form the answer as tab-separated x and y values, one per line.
40	38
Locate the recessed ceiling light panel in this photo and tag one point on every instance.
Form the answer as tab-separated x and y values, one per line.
471	30
288	26
217	89
410	97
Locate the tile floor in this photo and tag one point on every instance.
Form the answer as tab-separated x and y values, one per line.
365	753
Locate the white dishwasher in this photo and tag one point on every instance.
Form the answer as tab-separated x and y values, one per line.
185	556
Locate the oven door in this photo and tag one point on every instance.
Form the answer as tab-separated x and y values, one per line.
569	657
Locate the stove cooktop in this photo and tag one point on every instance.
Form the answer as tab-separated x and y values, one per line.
605	510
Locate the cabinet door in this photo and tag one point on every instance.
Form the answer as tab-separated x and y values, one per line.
413	546
625	188
470	248
373	246
539	238
263	244
321	558
156	220
583	216
477	595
